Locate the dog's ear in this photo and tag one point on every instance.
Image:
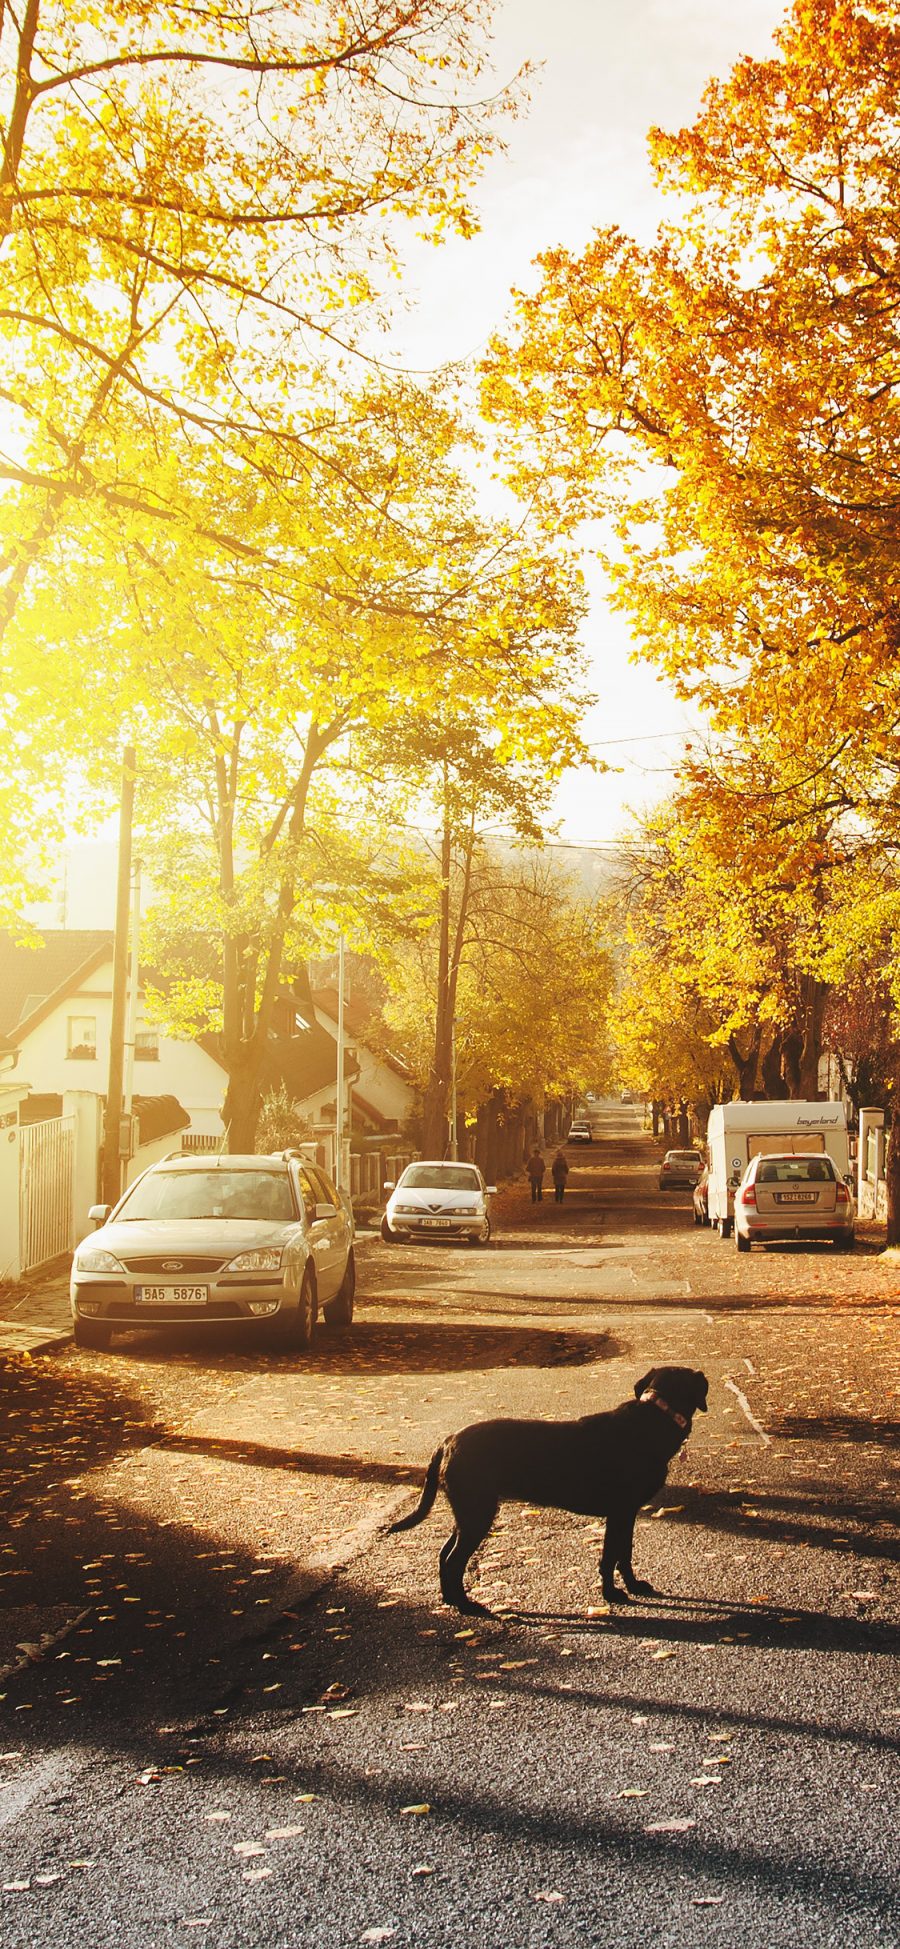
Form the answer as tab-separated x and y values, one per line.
641	1386
702	1389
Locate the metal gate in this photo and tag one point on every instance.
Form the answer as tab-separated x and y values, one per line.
46	1171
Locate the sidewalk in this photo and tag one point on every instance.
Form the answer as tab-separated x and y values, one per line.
34	1314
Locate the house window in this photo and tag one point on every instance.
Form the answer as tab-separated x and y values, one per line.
146	1045
82	1043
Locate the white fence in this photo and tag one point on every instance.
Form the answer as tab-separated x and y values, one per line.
46	1170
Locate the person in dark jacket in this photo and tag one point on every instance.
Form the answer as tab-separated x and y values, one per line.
559	1171
535	1168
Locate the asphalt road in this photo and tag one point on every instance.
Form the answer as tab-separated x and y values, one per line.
247	1719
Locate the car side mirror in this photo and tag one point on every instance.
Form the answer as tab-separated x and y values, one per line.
389	1184
323	1209
492	1190
99	1214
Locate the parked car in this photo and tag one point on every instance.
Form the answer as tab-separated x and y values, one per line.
242	1239
437	1199
793	1195
701	1197
580	1132
680	1169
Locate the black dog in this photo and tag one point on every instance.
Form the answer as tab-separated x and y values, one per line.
603	1465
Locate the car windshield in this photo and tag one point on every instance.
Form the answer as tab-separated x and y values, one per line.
440	1177
795	1170
211	1194
683	1157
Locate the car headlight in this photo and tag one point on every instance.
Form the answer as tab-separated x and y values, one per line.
92	1258
462	1211
267	1258
405	1208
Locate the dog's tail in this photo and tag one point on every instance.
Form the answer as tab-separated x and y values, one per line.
426	1499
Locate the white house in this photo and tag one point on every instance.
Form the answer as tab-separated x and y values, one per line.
383	1095
55	1020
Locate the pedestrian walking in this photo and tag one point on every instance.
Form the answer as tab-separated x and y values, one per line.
559	1171
535	1168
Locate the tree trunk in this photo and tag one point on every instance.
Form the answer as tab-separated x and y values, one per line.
772	1077
892	1172
746	1065
243	1101
815	999
437	1093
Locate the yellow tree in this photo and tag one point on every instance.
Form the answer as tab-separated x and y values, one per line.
255	700
197	209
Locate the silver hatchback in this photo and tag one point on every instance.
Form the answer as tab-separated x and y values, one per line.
215	1240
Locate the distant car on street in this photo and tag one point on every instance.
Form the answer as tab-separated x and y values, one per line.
580	1131
243	1240
680	1169
793	1195
437	1199
701	1197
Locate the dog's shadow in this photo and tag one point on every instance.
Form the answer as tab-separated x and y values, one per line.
708	1623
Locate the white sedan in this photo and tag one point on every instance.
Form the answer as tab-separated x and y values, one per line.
438	1200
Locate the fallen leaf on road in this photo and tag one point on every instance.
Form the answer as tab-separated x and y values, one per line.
283	1833
633	1793
548	1895
16	1887
417	1807
706	1780
255	1874
862	1596
303	1799
597	1610
418	1705
669	1826
707	1901
247	1848
663	1651
218	1814
422	1868
378	1935
333	1693
662	1746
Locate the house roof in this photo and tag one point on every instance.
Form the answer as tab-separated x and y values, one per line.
357	1019
159	1116
304	1063
34	979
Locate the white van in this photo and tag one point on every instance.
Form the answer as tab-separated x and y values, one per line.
738	1131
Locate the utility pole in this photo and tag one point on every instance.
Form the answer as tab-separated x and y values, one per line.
133	981
111	1162
339	1105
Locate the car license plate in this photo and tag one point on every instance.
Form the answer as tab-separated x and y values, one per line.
171	1295
437	1221
796	1197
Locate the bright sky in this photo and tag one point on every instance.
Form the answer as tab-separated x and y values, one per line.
611	69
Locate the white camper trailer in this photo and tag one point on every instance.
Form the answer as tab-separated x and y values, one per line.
738	1131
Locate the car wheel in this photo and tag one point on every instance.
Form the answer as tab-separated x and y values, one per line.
482	1237
390	1238
845	1244
297	1329
339	1310
92	1333
742	1243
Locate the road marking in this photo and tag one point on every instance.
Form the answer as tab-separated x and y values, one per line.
749	1365
746	1409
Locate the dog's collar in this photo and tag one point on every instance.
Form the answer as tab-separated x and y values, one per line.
658	1402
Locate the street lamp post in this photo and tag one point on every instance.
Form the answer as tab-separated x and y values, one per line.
339	1105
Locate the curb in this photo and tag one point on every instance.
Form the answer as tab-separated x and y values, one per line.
18	1340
